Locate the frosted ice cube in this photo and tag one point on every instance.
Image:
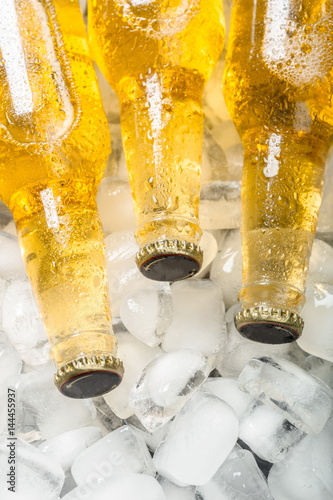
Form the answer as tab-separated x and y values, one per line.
123	274
52	412
36	476
321	263
198	441
166	384
22	324
238	478
239	350
64	447
267	432
302	399
11	264
227	267
115	205
135	356
317	313
307	471
147	313
122	487
119	452
227	389
174	492
198	318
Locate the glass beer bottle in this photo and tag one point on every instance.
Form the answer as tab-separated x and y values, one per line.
278	88
54	142
157	55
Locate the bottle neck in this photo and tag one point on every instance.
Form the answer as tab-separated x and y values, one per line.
62	245
281	196
162	128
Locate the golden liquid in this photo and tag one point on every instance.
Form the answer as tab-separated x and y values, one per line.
277	85
54	142
157	55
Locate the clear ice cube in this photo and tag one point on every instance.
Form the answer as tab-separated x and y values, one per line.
267	432
238	478
166	385
302	399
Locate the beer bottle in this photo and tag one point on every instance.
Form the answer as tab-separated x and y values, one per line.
54	142
278	88
157	55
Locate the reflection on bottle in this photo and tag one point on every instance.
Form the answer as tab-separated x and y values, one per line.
158	55
277	84
54	142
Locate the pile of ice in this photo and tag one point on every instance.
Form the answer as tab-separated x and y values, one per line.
202	413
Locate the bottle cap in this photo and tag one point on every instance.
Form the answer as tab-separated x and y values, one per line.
169	260
269	325
89	376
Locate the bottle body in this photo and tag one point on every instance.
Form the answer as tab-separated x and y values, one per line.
277	86
53	147
157	57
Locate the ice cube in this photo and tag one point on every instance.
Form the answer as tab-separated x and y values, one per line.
22	324
135	356
317	313
119	452
174	492
52	412
198	318
198	441
227	389
63	448
123	274
115	205
34	474
238	478
302	399
166	384
147	313
122	487
307	471
227	267
267	432
11	263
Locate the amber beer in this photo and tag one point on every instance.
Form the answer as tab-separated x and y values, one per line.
278	88
157	55
54	142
